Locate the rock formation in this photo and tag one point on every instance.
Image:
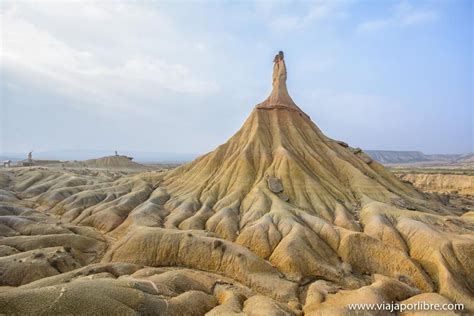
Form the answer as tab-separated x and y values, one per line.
279	220
117	162
442	183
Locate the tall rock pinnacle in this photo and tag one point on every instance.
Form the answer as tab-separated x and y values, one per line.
279	97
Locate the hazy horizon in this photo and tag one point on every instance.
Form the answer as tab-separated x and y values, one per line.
182	77
141	156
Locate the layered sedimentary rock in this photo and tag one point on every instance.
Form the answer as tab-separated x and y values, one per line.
279	220
462	184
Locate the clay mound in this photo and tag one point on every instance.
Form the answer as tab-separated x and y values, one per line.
279	161
279	220
108	162
128	289
34	246
113	162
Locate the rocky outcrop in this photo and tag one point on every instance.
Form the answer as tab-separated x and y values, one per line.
441	182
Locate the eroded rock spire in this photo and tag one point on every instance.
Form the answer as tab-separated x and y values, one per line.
279	72
279	97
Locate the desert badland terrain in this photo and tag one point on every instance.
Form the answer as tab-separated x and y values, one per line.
279	220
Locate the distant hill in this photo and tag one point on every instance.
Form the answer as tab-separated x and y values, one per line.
392	156
417	157
468	159
109	162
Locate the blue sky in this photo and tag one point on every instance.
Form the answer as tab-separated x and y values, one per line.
183	76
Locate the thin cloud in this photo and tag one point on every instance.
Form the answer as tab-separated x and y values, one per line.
279	20
70	68
403	14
